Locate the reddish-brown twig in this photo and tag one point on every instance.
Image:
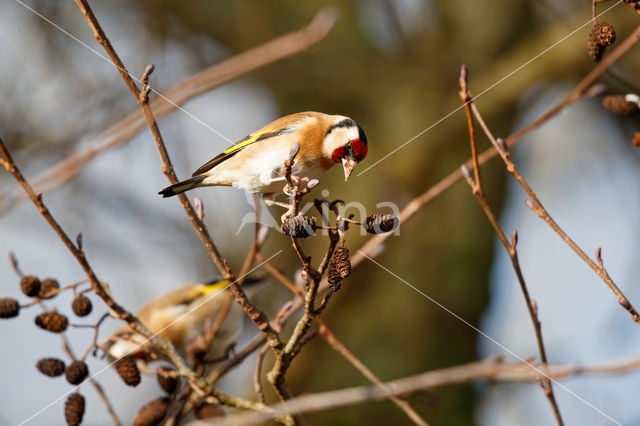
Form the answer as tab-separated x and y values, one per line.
336	344
279	276
257	376
536	205
475	182
94	342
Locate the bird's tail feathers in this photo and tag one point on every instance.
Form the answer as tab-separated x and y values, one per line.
183	186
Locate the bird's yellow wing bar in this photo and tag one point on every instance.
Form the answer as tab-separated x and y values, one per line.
229	152
214	287
244	142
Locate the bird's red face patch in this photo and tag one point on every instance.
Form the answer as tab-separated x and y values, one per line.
360	149
338	153
355	148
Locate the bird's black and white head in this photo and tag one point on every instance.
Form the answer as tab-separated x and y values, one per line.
345	142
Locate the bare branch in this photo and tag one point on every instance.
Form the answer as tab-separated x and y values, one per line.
536	205
333	341
510	247
492	370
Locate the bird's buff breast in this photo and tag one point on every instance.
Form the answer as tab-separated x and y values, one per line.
260	173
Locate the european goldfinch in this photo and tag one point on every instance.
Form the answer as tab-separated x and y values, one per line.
182	317
255	163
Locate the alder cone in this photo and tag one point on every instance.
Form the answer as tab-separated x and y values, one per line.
74	409
30	285
128	370
620	105
81	306
52	367
52	321
76	372
152	413
49	288
299	226
9	307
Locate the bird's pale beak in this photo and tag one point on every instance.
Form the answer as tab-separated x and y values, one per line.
349	164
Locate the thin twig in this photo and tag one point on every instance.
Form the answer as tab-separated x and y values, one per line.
257	375
257	382
475	183
297	187
536	205
94	342
339	347
278	275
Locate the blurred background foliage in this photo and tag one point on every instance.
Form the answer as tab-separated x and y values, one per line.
393	67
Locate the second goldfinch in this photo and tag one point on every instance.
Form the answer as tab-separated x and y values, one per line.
182	316
255	163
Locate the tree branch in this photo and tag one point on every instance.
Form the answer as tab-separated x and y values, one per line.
536	205
475	183
491	371
339	347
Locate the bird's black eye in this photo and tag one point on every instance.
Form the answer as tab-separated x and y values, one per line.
348	147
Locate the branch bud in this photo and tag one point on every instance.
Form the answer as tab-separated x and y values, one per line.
147	72
599	255
313	183
624	303
502	146
467	175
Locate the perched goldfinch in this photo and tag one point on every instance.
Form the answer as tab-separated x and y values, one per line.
182	316
255	163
